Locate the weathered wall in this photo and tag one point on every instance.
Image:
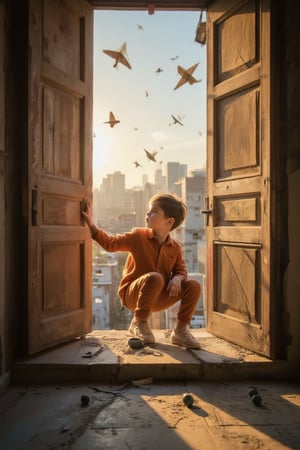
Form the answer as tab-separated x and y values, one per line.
293	271
13	145
2	195
291	132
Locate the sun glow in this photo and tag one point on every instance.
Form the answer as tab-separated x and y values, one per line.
101	145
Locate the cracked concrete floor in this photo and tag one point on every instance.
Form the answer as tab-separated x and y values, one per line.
142	415
105	357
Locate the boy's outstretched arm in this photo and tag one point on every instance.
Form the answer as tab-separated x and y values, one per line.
110	243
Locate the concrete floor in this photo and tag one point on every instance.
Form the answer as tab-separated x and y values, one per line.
104	356
135	397
150	417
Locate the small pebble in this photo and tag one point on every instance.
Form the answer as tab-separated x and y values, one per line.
188	400
135	343
85	400
254	395
256	399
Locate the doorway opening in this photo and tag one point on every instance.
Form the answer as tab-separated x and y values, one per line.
140	108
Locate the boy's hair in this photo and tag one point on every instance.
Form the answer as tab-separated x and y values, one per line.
172	206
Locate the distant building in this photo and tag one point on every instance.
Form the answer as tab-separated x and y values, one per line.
199	277
126	221
193	191
138	207
201	251
160	181
198	172
175	171
104	293
113	190
144	179
148	193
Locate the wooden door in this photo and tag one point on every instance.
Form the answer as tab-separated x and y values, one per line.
239	174
59	171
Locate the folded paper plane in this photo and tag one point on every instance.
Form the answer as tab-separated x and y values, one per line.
176	120
112	120
120	56
150	155
186	76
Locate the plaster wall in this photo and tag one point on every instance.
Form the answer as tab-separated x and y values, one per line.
13	145
293	274
2	194
291	131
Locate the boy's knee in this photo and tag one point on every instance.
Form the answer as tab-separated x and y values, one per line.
156	278
195	286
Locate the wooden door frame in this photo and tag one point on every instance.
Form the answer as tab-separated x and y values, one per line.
276	286
140	5
171	6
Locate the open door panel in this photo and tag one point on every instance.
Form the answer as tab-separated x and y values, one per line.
59	171
239	174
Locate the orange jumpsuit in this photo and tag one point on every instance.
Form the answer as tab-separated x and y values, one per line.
148	269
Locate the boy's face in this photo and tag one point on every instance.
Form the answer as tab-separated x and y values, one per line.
156	219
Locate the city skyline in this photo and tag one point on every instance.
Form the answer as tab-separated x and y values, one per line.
143	98
190	173
145	179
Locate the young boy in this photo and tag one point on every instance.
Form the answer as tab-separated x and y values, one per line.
154	275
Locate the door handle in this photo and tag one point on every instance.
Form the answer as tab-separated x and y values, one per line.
206	211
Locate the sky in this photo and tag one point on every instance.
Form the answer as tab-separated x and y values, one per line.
163	40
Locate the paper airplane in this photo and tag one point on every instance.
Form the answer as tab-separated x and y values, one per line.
186	75
137	164
176	120
119	56
151	155
112	120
